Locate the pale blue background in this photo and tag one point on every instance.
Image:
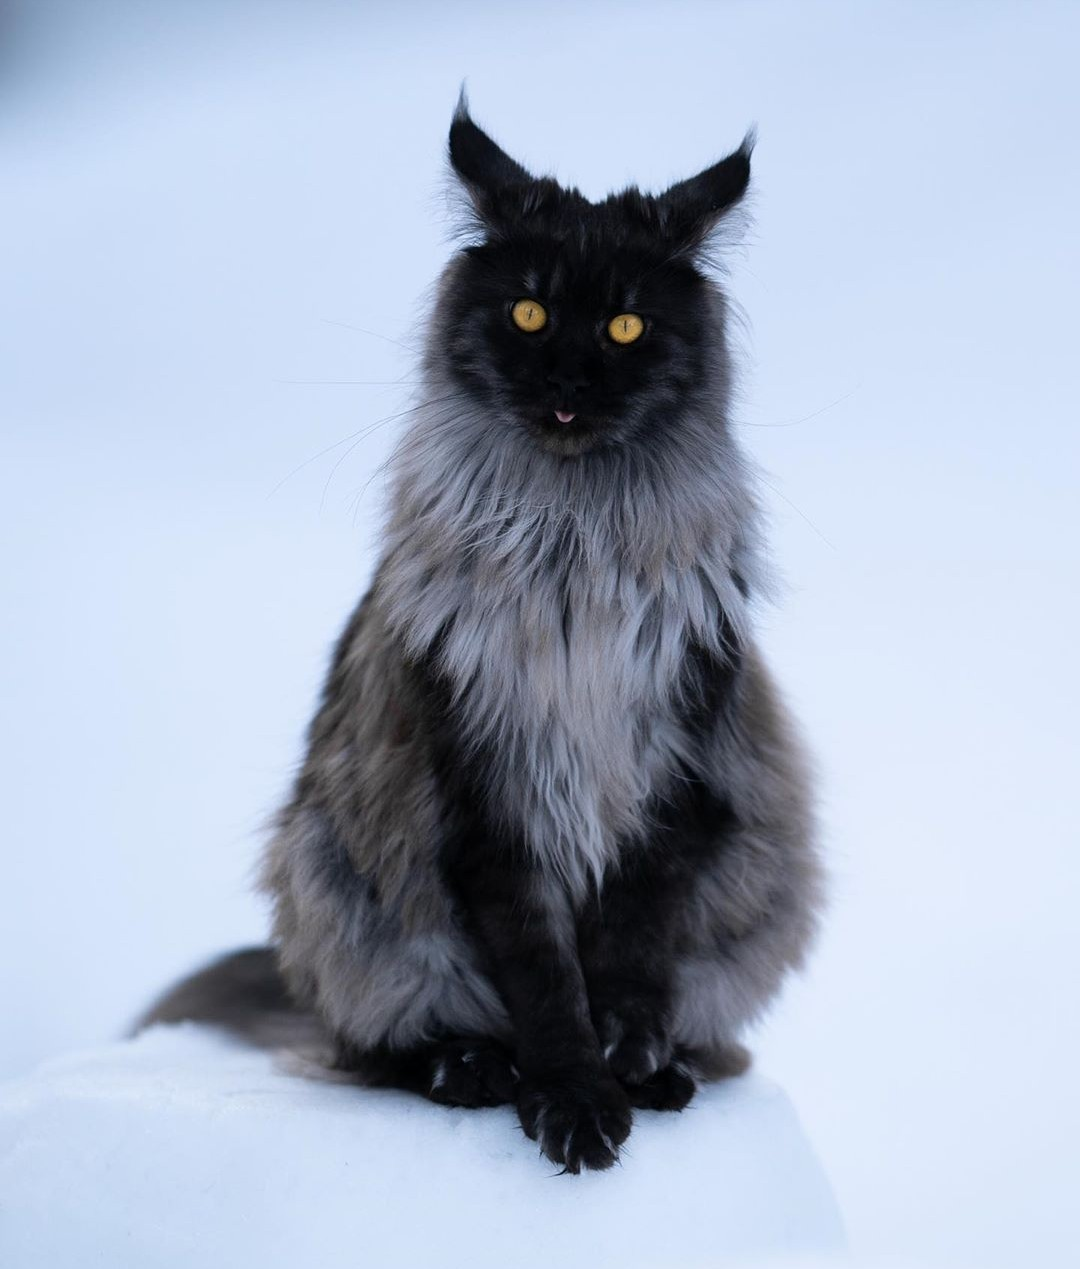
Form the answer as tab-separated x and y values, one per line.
211	215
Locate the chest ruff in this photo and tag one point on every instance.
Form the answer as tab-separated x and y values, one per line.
559	601
573	697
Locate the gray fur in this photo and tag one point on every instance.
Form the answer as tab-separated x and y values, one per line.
631	558
243	994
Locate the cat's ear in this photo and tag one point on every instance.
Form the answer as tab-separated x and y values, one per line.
690	210
486	171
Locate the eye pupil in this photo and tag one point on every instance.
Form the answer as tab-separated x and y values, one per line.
626	328
528	315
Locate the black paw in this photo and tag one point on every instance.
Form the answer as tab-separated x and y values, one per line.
669	1088
471	1073
579	1121
635	1051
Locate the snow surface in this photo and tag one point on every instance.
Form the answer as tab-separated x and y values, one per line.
218	224
183	1149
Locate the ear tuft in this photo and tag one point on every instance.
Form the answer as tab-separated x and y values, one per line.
479	162
691	209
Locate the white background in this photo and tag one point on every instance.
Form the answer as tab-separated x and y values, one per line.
215	219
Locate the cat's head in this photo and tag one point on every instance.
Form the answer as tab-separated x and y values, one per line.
582	324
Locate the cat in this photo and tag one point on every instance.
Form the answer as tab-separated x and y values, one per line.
553	843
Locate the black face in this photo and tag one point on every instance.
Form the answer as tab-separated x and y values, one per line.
562	366
571	381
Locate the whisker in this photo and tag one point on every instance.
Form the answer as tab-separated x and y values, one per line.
798	512
359	383
807	417
359	433
360	436
329	321
358	499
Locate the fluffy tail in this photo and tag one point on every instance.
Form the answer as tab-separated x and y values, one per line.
245	994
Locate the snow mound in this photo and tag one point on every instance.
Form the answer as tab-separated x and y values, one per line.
182	1149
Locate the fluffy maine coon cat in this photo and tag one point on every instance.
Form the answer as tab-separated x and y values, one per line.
551	844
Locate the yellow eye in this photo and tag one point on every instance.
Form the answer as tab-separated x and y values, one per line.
529	315
625	328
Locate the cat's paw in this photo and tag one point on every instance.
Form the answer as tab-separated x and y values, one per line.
579	1121
477	1073
635	1051
669	1088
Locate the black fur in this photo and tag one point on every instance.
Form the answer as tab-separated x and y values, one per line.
552	843
592	1032
631	252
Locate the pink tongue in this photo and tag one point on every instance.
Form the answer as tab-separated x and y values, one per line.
564	416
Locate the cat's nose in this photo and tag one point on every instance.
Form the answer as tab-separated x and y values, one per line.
568	381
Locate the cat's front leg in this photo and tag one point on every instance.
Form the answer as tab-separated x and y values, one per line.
567	1099
626	938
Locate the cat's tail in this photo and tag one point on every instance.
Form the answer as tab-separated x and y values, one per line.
243	993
